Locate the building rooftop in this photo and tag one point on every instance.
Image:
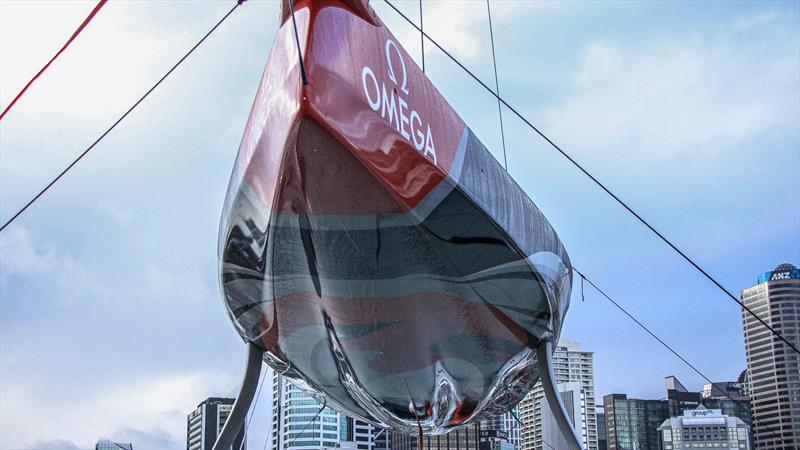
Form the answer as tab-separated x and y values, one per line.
783	271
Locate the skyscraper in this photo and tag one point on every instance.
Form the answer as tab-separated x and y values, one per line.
632	424
503	428
774	368
570	364
466	438
107	444
300	422
602	441
495	433
551	435
724	389
206	421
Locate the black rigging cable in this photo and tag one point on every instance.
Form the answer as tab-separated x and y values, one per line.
548	444
297	41
324	404
673	351
497	86
523	429
421	37
597	182
121	118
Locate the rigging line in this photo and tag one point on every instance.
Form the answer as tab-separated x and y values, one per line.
299	51
523	428
548	444
517	419
672	350
421	37
324	403
514	416
75	34
599	184
121	118
497	86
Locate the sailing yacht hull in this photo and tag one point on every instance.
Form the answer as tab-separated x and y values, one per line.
373	247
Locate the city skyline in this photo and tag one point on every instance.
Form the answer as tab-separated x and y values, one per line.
293	409
299	410
120	270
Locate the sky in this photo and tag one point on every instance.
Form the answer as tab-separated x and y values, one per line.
111	321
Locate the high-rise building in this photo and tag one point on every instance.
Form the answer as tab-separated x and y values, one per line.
744	382
602	441
551	435
491	440
206	421
466	438
772	366
495	433
704	429
504	428
107	444
300	422
632	424
570	364
679	399
723	390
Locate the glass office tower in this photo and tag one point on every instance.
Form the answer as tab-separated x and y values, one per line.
300	422
204	424
773	367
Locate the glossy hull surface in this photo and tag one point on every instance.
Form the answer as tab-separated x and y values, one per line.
373	246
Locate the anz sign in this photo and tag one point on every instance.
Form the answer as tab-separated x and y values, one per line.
782	272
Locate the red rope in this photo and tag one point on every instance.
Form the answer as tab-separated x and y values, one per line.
72	38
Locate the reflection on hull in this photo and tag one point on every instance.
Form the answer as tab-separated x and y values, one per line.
406	291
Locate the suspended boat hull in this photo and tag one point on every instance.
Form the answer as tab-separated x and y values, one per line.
373	247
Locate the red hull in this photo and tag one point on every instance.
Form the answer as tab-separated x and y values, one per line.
372	246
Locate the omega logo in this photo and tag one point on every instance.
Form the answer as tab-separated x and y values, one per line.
393	104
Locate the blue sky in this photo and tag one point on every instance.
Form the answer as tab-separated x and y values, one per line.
111	323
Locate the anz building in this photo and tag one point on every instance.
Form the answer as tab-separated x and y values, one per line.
773	367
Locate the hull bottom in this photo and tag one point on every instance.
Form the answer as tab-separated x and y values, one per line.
425	316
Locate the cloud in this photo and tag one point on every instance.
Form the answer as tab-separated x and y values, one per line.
121	216
150	412
54	444
33	264
455	23
164	285
44	267
460	26
108	65
71	365
111	324
666	97
156	439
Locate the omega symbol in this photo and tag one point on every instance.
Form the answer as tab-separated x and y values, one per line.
404	85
